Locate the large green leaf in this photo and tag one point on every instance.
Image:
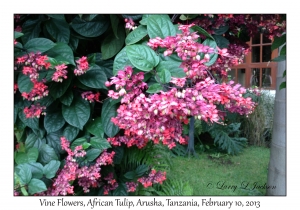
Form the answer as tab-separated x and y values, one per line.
213	56
108	111
222	42
30	122
136	35
202	31
78	113
111	45
78	142
100	143
92	154
70	132
121	190
53	121
93	28
57	16
160	26
221	30
95	127
212	60
31	29
164	76
114	22
278	41
154	88
142	57
30	156
57	89
24	173
53	140
17	34
47	154
95	77
62	53
141	170
24	83
58	29
51	168
173	67
73	42
121	61
31	140
36	186
36	169
67	98
39	45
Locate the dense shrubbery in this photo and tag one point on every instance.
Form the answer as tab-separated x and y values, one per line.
97	97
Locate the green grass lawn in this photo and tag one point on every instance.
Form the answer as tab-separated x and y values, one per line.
244	174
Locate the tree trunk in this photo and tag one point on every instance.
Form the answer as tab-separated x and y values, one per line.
277	164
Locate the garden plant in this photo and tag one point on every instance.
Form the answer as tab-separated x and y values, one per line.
98	98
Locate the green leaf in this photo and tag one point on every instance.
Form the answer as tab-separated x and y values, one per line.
173	67
121	190
279	58
95	77
37	142
57	89
30	122
36	186
32	154
24	83
51	168
53	121
114	22
160	26
92	154
283	50
57	16
47	154
86	145
100	143
142	57
121	61
278	41
187	16
67	98
17	34
108	111
222	42
134	17
130	175
202	31
119	153
62	53
31	29
212	60
93	28
59	30
78	113
30	140
73	43
164	76
53	140
24	173
70	132
136	35
21	157
95	127
111	45
282	85
141	170
221	30
284	74
39	45
78	142
36	169
154	88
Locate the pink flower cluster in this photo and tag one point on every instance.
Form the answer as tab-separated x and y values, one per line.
60	73
131	186
87	176
38	91
153	178
127	85
129	24
112	184
34	111
90	96
82	66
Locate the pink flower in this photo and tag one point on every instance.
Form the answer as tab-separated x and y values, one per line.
82	66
